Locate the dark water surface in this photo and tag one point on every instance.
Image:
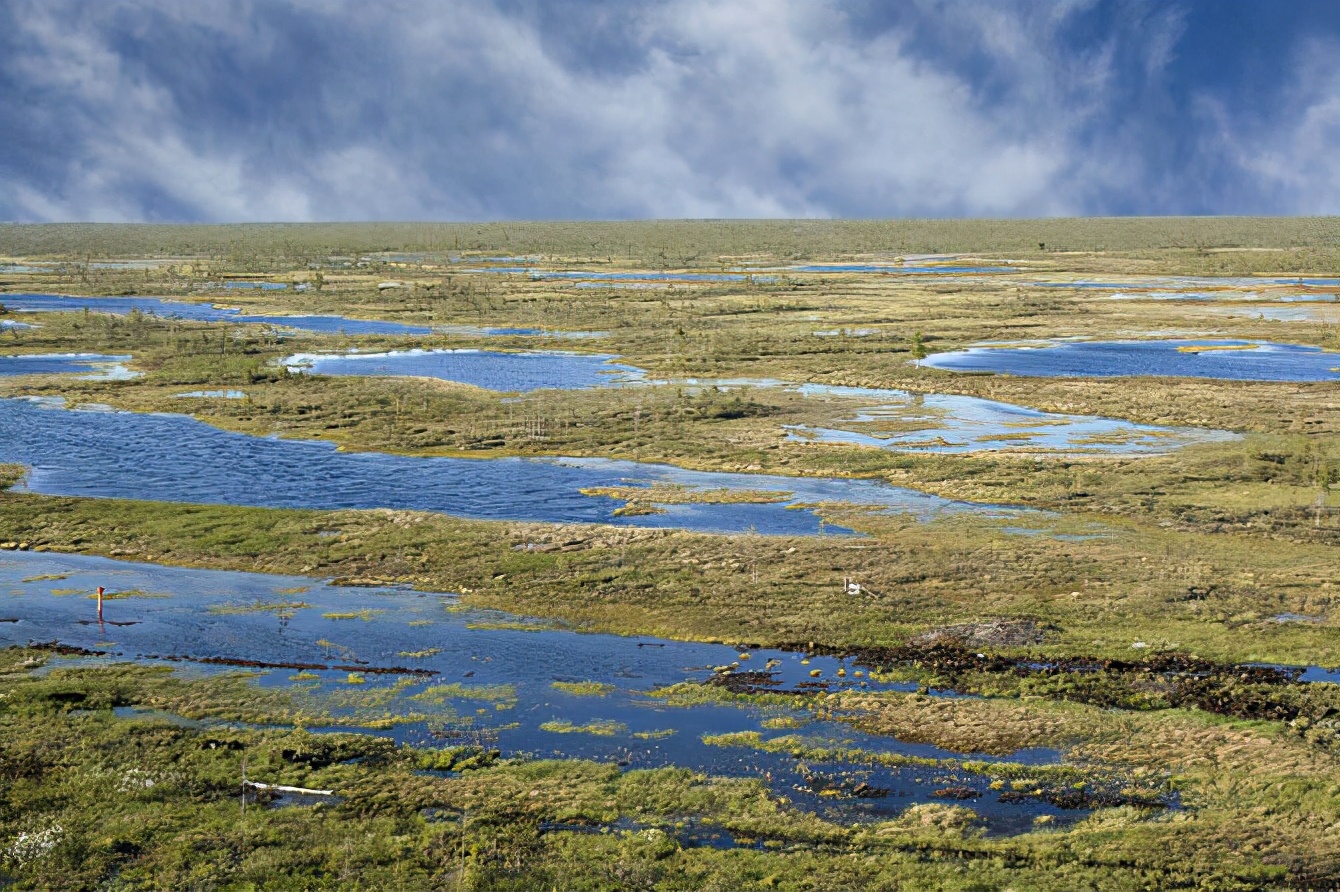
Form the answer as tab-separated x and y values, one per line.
505	676
606	276
175	458
906	270
1264	361
92	365
203	312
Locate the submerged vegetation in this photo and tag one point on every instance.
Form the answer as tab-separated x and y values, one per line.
1140	629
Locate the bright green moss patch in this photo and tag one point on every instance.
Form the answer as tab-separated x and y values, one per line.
583	688
456	691
600	727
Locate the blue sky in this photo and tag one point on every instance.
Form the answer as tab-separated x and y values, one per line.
234	110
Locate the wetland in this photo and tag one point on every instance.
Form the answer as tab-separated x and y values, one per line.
670	556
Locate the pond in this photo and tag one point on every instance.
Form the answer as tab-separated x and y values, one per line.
910	269
175	458
201	312
94	366
1290	312
623	286
648	276
1209	288
482	676
213	395
949	423
1173	283
1226	360
1243	298
491	370
622	276
484	331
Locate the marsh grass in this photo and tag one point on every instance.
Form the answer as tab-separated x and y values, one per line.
282	609
456	691
745	429
1205	242
584	688
366	615
420	654
597	727
1194	551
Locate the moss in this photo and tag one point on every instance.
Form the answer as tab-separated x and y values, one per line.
1197	552
583	688
599	727
456	691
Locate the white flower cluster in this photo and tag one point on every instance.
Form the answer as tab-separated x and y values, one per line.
32	845
134	779
137	780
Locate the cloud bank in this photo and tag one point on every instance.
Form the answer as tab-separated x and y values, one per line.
233	110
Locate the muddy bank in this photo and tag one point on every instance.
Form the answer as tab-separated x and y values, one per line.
1156	681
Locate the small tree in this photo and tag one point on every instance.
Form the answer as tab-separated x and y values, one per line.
918	348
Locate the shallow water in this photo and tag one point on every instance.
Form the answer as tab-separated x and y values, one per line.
640	276
949	423
200	312
95	366
197	614
513	259
1307	674
213	394
505	372
481	331
163	457
609	276
1208	288
1264	362
1176	283
1309	281
1248	299
1196	296
906	270
1308	311
847	333
626	286
128	264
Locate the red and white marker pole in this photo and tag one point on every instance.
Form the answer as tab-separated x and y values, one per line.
100	591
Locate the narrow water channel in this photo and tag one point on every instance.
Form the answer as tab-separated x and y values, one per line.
175	458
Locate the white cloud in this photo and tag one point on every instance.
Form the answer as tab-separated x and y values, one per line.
317	109
1291	155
